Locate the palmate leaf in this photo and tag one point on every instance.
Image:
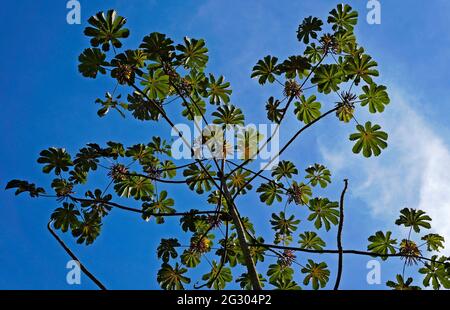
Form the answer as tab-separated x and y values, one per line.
299	193
327	77
313	53
311	241
308	109
269	192
361	67
107	29
284	169
436	273
24	186
65	218
370	139
318	174
161	205
245	281
172	278
141	108
277	272
92	61
345	41
197	109
283	225
274	112
156	84
401	284
287	285
238	179
308	29
342	17
414	218
55	158
266	69
295	66
218	91
323	212
317	274
375	96
190	258
137	187
167	249
381	243
223	275
193	54
197	179
434	242
228	115
157	47
88	229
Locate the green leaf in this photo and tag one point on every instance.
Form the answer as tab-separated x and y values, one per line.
157	47
318	174
308	29
92	61
266	69
343	17
317	274
65	218
55	158
277	272
370	139
199	180
375	96
269	192
88	229
218	90
190	258
311	241
228	115
161	205
414	218
285	168
295	66
238	179
361	67
287	285
245	282
167	249
172	278
25	186
141	108
283	225
434	242
313	53
156	84
193	54
134	186
197	109
436	273
401	285
382	244
308	109
323	212
107	29
299	193
327	77
222	275
274	112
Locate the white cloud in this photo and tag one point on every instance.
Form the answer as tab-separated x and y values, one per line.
413	172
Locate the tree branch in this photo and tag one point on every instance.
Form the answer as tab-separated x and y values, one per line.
339	236
74	257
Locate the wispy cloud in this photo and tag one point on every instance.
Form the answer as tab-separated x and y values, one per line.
413	172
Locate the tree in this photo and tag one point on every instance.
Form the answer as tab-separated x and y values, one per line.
159	72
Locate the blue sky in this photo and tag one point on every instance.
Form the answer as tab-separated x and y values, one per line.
46	103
